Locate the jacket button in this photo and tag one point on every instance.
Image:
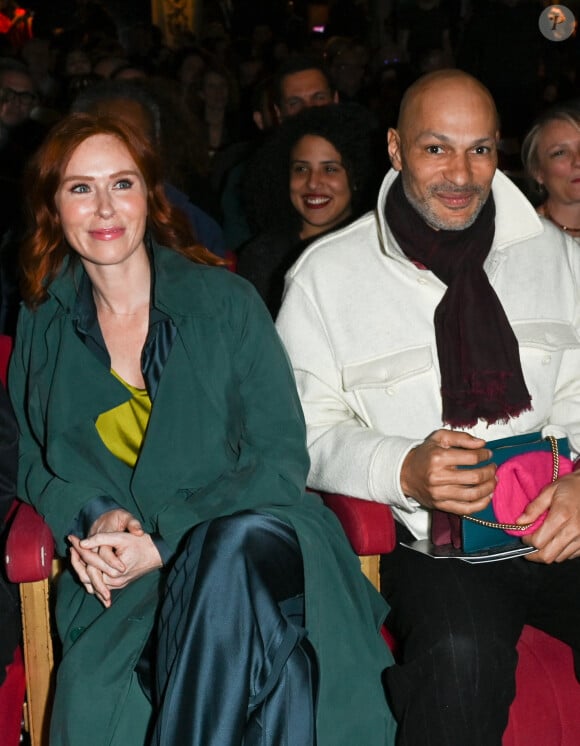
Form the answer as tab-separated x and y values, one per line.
76	632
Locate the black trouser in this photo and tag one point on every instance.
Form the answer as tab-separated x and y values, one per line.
233	664
458	625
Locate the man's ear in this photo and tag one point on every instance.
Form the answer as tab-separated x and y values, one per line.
394	149
278	114
336	98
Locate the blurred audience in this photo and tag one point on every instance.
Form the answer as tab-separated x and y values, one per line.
20	135
183	146
346	61
224	87
189	65
502	47
218	108
425	28
39	57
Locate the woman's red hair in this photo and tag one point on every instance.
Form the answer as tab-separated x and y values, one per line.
45	247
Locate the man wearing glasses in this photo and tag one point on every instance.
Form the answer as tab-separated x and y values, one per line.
17	96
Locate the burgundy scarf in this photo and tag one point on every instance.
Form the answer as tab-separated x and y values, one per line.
481	373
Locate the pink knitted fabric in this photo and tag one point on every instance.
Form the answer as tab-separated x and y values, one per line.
520	480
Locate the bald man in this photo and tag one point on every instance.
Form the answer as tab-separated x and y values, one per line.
447	318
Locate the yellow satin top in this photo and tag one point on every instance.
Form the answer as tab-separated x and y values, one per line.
122	428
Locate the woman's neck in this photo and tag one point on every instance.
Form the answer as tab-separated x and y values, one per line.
566	217
118	306
121	291
310	231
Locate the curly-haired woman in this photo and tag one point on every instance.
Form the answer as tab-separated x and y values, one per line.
313	176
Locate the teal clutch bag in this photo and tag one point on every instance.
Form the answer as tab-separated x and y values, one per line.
482	531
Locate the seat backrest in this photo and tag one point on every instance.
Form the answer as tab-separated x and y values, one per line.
39	661
5	352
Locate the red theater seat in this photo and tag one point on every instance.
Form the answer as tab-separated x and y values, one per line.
546	709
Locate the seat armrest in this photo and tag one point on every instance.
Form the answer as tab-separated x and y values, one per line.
29	547
369	526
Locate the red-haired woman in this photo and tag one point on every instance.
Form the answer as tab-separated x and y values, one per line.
209	600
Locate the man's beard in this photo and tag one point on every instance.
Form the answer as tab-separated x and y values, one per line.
423	206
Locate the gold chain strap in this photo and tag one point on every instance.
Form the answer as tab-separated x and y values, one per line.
522	526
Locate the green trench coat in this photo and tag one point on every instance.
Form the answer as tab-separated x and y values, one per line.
226	433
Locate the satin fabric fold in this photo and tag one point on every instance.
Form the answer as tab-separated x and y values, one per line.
231	665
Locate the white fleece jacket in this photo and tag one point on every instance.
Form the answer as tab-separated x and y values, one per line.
357	321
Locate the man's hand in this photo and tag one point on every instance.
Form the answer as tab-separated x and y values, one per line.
430	474
558	538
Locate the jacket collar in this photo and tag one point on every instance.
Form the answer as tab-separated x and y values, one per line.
177	291
515	219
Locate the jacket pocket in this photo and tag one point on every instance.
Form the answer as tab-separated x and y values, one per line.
397	392
550	357
388	369
551	336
